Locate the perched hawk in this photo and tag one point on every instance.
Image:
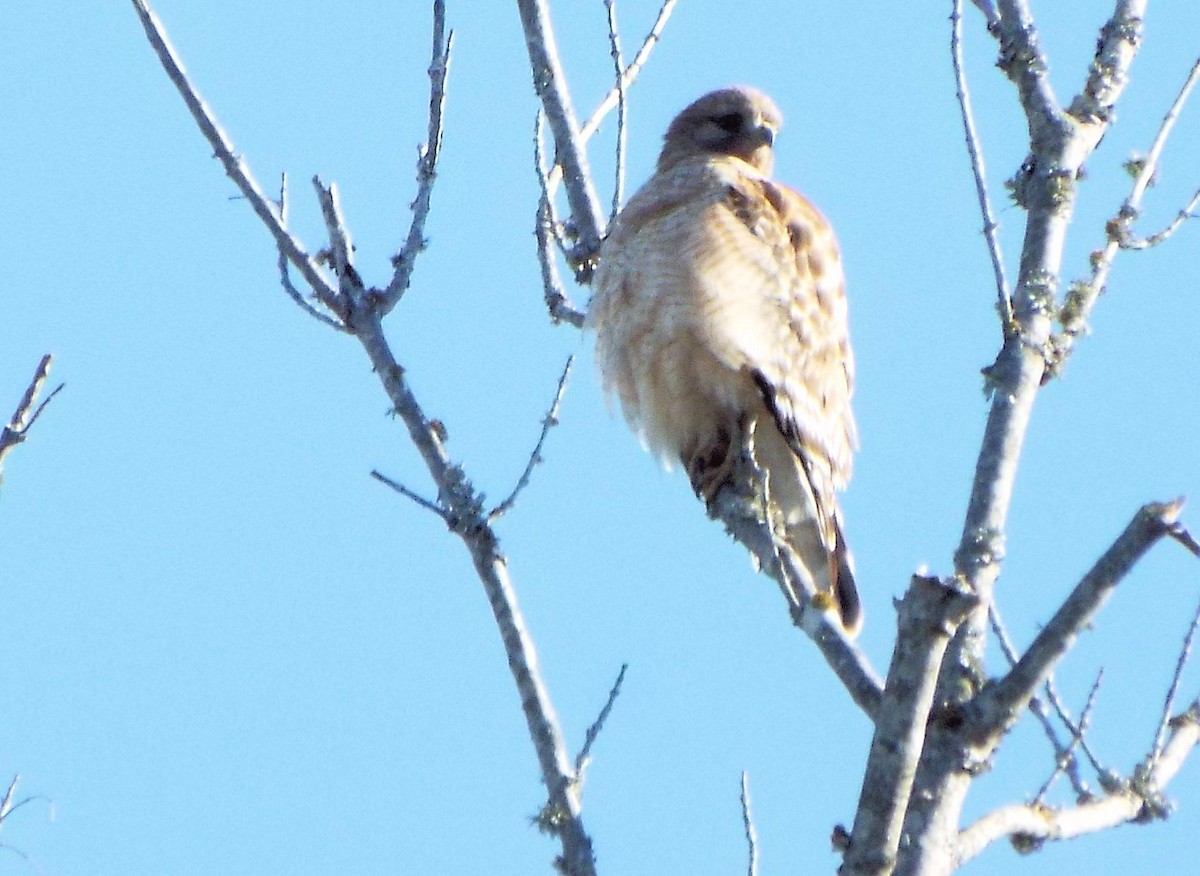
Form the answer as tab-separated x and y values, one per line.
719	314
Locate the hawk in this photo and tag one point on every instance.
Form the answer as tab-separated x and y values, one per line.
720	318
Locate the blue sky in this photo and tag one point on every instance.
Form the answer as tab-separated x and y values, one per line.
228	650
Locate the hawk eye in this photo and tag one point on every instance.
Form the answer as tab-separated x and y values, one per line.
731	122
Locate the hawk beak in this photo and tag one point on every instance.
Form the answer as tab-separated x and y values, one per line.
767	134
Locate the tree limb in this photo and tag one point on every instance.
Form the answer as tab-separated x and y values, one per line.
1059	144
26	414
1064	755
741	507
439	70
612	99
748	829
457	502
997	707
1030	826
1082	296
549	80
235	167
975	152
928	615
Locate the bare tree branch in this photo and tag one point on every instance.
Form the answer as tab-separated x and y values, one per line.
341	250
427	160
1059	144
748	827
1023	61
235	167
458	502
742	508
627	79
593	733
1064	755
928	615
285	277
614	43
547	232
557	302
1065	763
550	82
548	423
1185	651
997	707
1082	296
26	414
466	518
1030	826
1076	729
978	171
1152	240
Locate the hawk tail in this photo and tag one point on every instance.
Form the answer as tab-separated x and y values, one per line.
845	589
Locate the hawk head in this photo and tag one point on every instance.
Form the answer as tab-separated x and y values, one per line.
740	122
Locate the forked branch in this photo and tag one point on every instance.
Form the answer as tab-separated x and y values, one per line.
26	414
360	311
550	82
1029	826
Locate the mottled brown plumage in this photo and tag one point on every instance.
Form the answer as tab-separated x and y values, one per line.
719	312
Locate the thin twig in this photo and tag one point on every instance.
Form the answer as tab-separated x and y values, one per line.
1031	826
557	303
1066	761
975	151
235	167
548	233
548	423
1082	296
409	494
26	414
614	44
629	76
427	160
1063	754
341	249
285	277
927	616
611	99
748	827
593	732
1152	240
1185	652
1075	729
